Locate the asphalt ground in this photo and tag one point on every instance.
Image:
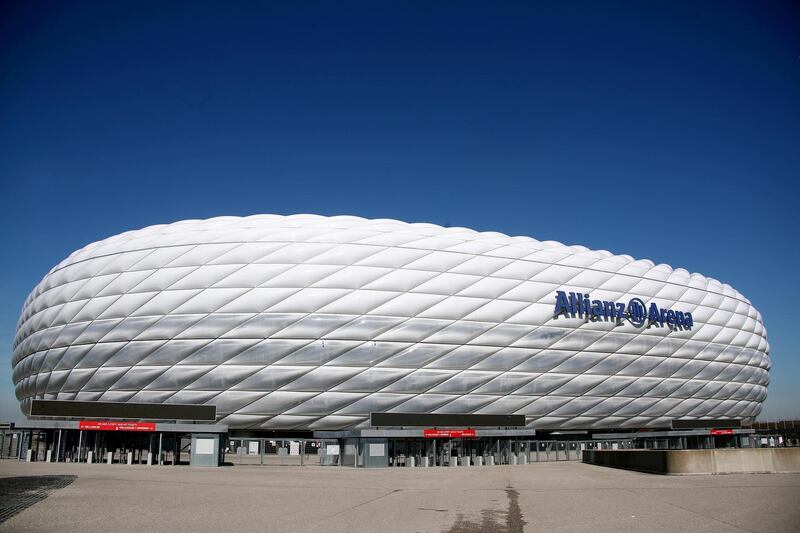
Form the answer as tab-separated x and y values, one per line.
563	496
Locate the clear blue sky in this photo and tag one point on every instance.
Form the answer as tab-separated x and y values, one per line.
664	130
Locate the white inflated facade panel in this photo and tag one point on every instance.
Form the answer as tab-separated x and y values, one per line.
310	322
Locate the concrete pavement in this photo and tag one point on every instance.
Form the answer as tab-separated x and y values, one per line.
547	496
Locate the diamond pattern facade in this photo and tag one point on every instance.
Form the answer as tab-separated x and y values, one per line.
309	322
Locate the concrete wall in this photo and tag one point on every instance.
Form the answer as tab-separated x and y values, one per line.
718	461
205	450
374	453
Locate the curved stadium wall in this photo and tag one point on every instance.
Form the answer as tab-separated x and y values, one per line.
310	322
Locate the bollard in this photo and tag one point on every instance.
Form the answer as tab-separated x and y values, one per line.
479	461
523	459
490	460
424	462
512	460
130	458
465	460
149	459
29	456
89	457
109	457
49	457
453	461
410	462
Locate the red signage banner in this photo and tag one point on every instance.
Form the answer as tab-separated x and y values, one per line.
722	432
103	425
448	433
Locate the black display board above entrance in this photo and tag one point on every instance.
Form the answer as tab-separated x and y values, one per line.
112	410
698	424
433	420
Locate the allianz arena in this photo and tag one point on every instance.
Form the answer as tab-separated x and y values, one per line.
314	323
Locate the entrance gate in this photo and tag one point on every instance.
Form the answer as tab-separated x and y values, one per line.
278	452
490	451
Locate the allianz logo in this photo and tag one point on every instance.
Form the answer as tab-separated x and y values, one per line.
635	311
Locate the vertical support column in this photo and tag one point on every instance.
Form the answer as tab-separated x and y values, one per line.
160	442
89	452
29	449
58	446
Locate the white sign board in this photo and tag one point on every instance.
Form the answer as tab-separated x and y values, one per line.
204	447
376	450
332	449
294	448
252	447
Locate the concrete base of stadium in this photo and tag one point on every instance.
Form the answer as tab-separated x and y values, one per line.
687	462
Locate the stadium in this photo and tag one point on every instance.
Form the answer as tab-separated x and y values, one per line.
372	330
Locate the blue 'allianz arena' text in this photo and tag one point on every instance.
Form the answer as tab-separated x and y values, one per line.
636	311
